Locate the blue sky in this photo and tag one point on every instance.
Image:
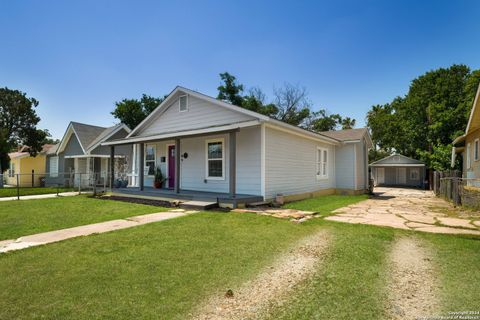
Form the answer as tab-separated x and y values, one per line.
79	57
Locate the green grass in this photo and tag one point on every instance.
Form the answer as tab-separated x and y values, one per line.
350	283
156	271
25	217
458	260
12	192
325	204
165	269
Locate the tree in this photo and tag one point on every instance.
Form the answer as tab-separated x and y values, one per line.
424	122
347	123
48	138
230	90
18	124
255	101
133	111
322	121
292	103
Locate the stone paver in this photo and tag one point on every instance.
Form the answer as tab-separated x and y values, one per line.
296	216
406	209
101	227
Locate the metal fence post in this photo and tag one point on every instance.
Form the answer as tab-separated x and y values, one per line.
33	178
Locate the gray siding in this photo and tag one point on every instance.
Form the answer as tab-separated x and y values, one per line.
290	164
73	147
361	166
200	114
345	166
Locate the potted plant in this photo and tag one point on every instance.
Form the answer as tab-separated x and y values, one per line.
158	180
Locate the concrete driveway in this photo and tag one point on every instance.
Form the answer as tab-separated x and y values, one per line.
410	209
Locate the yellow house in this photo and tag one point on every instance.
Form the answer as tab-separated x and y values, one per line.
22	165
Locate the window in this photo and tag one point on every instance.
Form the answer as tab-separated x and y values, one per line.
475	150
215	159
322	163
469	160
11	171
150	152
183	103
414	174
54	167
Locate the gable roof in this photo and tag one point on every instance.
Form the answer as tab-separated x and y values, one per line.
474	119
23	151
257	119
89	136
350	135
397	160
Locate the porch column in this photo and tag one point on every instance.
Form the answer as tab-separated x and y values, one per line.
177	165
141	165
112	166
233	163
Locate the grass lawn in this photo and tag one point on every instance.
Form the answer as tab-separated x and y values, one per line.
25	217
165	269
12	192
325	204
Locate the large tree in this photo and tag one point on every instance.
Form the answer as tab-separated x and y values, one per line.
423	123
132	111
290	105
18	124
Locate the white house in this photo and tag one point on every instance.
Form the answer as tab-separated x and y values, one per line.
210	149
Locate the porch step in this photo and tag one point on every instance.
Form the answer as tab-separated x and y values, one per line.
198	205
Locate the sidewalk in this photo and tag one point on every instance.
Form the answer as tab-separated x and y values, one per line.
41	196
101	227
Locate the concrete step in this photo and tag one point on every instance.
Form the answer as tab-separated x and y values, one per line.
198	205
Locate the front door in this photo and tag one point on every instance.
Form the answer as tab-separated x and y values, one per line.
171	167
401	175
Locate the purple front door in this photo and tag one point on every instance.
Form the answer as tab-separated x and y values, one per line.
171	167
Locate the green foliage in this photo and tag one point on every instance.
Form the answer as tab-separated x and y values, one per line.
426	120
290	105
376	154
18	124
158	175
133	111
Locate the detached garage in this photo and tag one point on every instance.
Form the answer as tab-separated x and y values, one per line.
398	170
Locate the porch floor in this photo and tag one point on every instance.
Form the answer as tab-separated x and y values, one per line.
188	195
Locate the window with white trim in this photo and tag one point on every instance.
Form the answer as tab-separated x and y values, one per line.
54	167
414	174
150	160
215	159
183	103
475	150
469	159
322	163
11	170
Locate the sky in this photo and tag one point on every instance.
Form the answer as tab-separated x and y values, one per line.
79	57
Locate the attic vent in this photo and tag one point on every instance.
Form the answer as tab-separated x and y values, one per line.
183	103
396	158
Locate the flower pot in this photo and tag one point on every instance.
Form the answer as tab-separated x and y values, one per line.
157	184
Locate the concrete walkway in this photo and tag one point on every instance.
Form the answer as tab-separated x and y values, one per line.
41	196
101	227
410	209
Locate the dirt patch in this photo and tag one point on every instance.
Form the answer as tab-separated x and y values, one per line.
412	287
271	287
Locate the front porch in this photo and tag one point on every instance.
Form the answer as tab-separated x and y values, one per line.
223	199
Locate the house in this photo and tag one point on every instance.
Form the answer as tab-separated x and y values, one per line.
28	169
80	159
210	149
468	145
398	170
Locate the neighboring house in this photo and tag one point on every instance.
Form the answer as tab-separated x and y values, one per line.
79	158
209	149
398	170
23	165
468	144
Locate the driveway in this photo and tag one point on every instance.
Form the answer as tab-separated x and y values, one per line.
410	209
